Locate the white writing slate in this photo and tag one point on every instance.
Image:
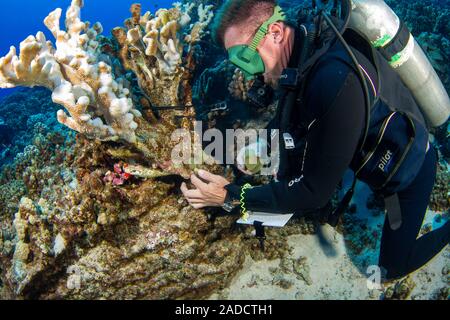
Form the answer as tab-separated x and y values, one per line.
268	219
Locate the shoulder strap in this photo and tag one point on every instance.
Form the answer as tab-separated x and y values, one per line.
290	81
360	42
336	214
293	80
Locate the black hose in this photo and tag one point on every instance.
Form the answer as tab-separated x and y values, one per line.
346	7
333	218
360	74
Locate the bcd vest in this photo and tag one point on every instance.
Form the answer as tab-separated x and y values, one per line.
397	142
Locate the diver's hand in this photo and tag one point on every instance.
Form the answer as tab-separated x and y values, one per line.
211	193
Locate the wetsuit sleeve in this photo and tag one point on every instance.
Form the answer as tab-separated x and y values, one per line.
331	146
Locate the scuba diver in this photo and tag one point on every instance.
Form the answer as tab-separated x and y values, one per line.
345	102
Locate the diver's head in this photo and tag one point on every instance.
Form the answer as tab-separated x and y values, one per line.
256	37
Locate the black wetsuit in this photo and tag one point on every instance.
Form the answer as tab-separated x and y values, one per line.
334	90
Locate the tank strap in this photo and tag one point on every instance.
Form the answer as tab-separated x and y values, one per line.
397	44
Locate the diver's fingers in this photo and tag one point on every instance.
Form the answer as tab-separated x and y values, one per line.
196	201
190	194
199	184
198	206
208	176
194	194
184	188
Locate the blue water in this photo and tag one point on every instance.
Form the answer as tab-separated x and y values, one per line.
19	19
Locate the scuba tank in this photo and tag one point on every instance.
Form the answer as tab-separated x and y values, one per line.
387	33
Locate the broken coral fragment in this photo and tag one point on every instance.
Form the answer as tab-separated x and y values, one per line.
59	245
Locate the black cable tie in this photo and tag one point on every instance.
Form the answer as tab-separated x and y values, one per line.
260	234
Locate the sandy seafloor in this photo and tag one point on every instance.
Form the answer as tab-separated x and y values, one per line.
333	277
334	273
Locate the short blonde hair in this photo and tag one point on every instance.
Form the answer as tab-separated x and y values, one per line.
249	15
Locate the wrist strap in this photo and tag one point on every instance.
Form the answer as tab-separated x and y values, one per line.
244	212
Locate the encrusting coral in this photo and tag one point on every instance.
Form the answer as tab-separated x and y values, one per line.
82	230
75	235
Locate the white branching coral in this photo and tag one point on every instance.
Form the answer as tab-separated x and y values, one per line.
98	105
156	47
162	40
205	16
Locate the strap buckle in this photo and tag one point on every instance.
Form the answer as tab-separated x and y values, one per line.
290	78
289	142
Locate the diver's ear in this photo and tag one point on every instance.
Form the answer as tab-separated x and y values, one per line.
276	32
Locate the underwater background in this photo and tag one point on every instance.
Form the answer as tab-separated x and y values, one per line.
75	224
111	13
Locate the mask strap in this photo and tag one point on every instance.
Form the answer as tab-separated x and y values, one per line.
278	15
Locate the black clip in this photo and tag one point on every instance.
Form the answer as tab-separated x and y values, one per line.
219	106
260	234
211	218
290	78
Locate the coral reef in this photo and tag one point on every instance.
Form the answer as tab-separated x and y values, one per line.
78	222
299	267
29	113
41	160
78	236
99	215
440	198
400	290
429	22
98	102
88	218
75	236
423	16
